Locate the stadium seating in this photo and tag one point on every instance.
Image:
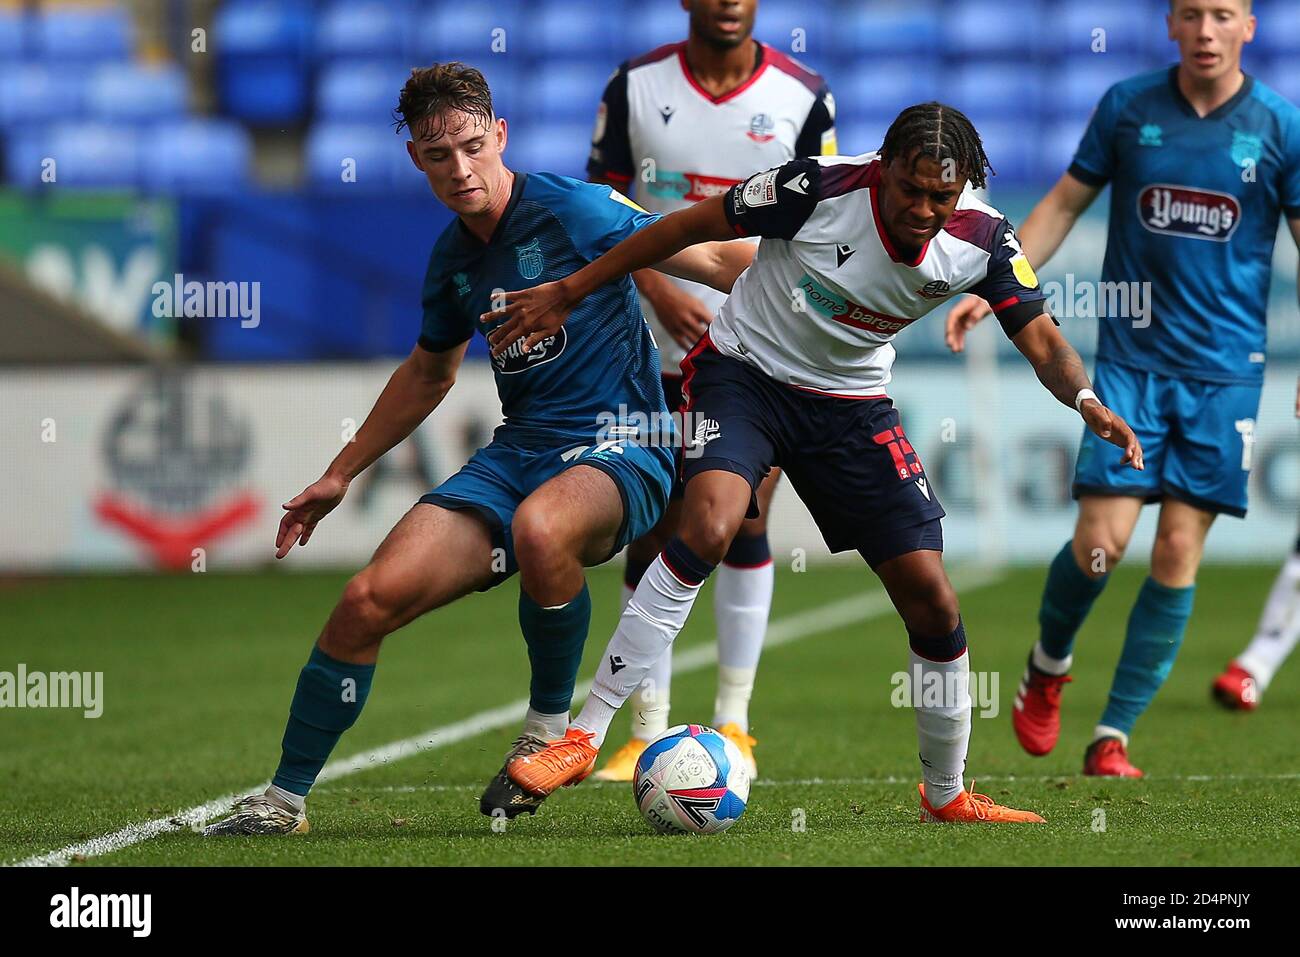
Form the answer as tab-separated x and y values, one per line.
362	28
76	34
196	156
263	60
129	93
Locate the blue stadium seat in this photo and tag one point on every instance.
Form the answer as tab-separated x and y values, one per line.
262	60
1278	31
13	35
778	20
893	28
878	90
36	93
25	150
995	90
568	91
130	93
363	28
76	34
553	148
379	157
94	155
980	28
359	90
652	26
454	31
1129	28
1080	81
203	156
1012	148
1283	76
562	29
1059	142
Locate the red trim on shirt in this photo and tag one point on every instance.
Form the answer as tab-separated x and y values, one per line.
1005	303
731	94
884	236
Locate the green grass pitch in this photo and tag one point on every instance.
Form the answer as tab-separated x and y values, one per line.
199	670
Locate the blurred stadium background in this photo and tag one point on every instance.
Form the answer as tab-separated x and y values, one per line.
209	140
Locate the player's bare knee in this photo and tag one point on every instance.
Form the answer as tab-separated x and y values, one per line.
1098	554
1175	556
361	617
540	541
709	536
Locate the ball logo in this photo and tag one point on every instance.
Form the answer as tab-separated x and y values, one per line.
1188	212
935	289
760	128
514	359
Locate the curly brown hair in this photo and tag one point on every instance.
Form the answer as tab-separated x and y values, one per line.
433	91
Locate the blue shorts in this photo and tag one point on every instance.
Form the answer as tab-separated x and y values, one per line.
848	459
1196	439
498	477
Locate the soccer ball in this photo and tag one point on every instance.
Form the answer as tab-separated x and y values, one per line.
691	780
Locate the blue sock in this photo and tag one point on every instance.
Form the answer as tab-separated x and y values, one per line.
1155	630
555	638
329	697
1067	598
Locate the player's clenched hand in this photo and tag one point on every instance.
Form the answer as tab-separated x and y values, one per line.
683	316
530	314
304	510
1114	430
962	318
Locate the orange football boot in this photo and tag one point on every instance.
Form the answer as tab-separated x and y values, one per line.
562	763
971	808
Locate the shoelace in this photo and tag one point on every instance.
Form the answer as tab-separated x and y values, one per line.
524	744
1051	686
981	802
556	757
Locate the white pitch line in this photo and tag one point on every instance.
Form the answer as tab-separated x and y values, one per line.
792	628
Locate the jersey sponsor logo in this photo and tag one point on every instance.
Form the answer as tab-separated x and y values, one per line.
1247	148
758	190
837	307
515	360
761	128
531	262
1190	212
1151	135
934	289
691	187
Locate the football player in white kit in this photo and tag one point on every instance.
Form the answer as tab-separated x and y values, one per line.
793	372
683	123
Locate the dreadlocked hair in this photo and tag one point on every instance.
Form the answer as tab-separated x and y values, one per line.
941	133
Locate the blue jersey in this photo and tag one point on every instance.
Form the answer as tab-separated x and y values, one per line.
1194	210
604	356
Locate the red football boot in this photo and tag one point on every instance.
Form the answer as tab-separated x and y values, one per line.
1108	758
1235	689
1037	712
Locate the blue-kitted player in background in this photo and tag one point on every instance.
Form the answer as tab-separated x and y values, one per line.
1202	161
556	490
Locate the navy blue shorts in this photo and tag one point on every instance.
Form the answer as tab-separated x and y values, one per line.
673	399
848	459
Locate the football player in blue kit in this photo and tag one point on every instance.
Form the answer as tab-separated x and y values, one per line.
557	489
1202	161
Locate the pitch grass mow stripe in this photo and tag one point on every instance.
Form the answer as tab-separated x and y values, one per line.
792	628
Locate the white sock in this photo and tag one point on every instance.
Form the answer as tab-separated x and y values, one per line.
548	727
650	622
651	701
295	801
1049	665
742	601
942	730
1106	731
1279	627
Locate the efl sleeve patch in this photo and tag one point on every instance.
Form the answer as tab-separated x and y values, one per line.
758	191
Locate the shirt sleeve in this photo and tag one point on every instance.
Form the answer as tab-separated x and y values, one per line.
445	324
817	138
1290	193
611	143
775	204
603	218
1010	286
1094	160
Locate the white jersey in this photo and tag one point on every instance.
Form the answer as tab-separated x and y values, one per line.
668	143
827	293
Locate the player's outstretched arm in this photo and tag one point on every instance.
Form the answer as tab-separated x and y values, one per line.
413	391
1040	237
533	314
1060	370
